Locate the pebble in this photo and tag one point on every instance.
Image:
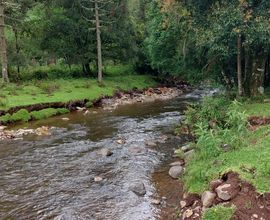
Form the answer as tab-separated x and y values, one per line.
106	152
177	163
155	201
98	179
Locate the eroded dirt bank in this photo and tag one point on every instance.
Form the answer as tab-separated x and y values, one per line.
229	191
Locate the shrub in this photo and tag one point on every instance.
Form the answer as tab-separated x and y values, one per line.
49	112
89	105
21	115
3	102
49	88
5	119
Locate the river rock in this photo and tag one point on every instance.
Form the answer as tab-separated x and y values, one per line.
155	201
138	188
106	152
80	109
86	112
227	191
176	171
208	198
136	150
187	214
98	179
2	128
43	131
177	163
189	154
183	204
214	184
185	148
151	144
120	141
65	119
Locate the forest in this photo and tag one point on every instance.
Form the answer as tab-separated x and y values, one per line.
227	41
135	109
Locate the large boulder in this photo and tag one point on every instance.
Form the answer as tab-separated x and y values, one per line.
214	184
138	188
176	171
227	191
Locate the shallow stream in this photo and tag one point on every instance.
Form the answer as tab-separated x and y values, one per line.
52	177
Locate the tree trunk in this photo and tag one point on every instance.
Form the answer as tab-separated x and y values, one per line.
247	72
257	75
17	48
239	66
99	54
3	43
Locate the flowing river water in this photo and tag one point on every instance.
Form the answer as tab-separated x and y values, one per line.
52	177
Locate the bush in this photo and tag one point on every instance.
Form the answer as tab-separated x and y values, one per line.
21	115
49	87
46	72
227	134
5	119
89	105
3	102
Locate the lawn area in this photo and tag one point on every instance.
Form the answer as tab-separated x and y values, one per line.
63	90
249	153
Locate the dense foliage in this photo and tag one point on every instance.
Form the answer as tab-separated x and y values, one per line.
227	41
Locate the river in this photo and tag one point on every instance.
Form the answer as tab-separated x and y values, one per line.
52	177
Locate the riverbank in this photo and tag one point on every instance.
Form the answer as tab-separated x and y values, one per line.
62	94
41	111
228	175
23	103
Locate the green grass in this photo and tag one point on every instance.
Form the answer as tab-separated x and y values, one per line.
249	154
257	109
49	112
218	213
64	90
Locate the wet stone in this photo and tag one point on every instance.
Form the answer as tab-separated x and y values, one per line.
175	171
98	179
138	188
151	144
106	152
177	163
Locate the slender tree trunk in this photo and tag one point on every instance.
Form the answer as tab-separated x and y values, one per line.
99	54
3	43
257	75
17	48
247	71
239	66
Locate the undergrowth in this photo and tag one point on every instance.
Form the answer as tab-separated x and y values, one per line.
220	128
24	116
218	212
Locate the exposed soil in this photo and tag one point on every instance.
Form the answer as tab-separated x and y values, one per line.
249	204
258	120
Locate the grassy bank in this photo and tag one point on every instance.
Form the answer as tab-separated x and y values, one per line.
225	144
49	90
64	90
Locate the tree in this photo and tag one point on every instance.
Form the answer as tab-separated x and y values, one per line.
3	43
90	6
